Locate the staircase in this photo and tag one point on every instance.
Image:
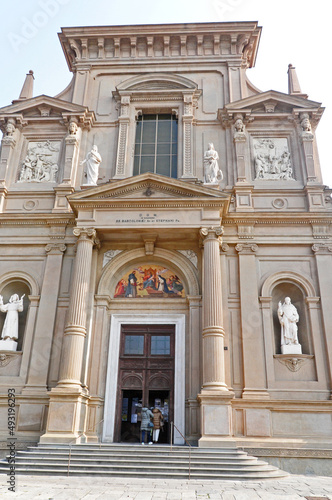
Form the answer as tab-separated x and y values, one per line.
156	461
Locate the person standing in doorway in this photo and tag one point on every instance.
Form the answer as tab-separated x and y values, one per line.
145	423
157	423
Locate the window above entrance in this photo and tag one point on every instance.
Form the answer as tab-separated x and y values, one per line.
156	145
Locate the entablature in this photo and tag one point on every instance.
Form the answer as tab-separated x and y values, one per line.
215	41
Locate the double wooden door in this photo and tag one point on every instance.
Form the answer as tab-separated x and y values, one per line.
146	378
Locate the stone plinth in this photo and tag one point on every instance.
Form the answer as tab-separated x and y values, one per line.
8	345
291	349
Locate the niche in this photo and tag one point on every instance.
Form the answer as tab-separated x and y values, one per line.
21	288
289	289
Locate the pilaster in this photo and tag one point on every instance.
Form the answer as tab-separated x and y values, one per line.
251	325
188	118
124	121
323	256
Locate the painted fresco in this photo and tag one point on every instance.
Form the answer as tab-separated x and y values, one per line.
149	281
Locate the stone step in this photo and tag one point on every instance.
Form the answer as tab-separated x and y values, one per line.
159	461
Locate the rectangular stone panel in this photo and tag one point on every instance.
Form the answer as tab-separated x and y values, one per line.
258	422
216	420
296	424
30	417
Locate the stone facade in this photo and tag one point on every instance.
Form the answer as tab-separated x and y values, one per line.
239	242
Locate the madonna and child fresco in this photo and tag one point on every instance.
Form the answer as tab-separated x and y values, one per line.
149	281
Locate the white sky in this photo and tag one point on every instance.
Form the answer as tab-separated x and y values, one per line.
294	31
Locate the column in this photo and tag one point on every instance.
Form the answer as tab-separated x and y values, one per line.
251	325
323	255
213	331
67	414
43	336
215	396
75	330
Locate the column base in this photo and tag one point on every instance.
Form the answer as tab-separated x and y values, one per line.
216	419
66	416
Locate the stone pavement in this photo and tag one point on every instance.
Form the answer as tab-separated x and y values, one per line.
107	488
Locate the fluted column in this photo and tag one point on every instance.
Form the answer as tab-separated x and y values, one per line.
75	330
213	332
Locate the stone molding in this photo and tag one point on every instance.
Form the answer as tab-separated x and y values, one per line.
288	452
290	277
322	249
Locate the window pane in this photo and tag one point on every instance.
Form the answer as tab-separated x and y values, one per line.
163	149
137	149
149	131
148	149
164	131
136	165
163	165
164	117
160	344
147	164
174	173
134	344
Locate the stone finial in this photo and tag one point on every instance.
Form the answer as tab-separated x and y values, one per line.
27	89
293	83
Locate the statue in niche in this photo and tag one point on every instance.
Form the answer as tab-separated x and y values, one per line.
272	159
92	160
40	163
212	172
288	318
12	308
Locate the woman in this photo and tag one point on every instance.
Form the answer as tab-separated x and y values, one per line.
145	422
157	419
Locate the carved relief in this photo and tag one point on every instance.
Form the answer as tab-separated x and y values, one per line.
109	255
272	159
41	162
191	255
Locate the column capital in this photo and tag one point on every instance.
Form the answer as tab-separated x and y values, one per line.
85	233
246	248
55	248
211	233
322	248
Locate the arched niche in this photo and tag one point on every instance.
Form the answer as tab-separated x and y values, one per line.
298	288
173	260
20	288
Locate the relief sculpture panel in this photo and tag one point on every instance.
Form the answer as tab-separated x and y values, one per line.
41	162
272	159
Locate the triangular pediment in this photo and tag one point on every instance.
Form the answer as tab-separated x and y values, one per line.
147	189
33	106
272	102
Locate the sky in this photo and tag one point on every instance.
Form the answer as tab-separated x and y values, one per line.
294	31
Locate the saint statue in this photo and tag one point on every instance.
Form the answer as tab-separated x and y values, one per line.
12	308
92	160
288	317
212	172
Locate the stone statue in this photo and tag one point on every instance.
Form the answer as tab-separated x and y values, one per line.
212	172
92	160
239	125
10	127
289	317
12	308
72	129
305	123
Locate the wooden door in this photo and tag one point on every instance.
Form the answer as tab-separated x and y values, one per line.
146	377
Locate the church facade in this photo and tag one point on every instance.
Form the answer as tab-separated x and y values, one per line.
203	288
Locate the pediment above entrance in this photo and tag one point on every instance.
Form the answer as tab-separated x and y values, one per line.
146	188
149	200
